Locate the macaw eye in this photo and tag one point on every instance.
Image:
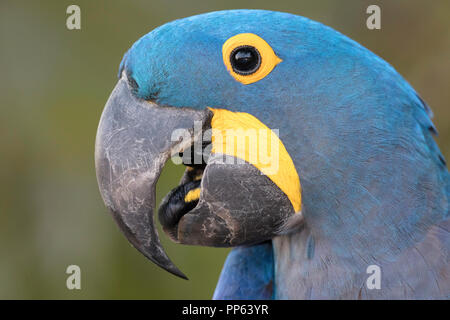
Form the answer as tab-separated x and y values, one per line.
245	60
248	58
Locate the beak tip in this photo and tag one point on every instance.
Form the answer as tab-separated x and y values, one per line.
163	261
174	270
182	276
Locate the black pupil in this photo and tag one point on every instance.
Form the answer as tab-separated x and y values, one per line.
245	60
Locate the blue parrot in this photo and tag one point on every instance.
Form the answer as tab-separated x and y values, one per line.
358	205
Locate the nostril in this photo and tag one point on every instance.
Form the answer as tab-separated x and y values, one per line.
132	83
145	91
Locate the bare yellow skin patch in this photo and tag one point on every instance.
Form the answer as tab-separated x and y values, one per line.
243	136
268	57
192	195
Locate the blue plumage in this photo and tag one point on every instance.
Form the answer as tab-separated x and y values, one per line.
248	273
375	185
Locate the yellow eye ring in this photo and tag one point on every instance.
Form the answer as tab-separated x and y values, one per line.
248	57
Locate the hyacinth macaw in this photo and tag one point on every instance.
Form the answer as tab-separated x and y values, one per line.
359	180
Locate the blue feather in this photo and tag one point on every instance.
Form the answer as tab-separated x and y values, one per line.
248	273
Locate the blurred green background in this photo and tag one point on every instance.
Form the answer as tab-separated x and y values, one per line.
54	84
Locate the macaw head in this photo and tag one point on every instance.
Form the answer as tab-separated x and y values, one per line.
254	102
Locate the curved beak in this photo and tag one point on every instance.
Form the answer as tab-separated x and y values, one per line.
134	140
